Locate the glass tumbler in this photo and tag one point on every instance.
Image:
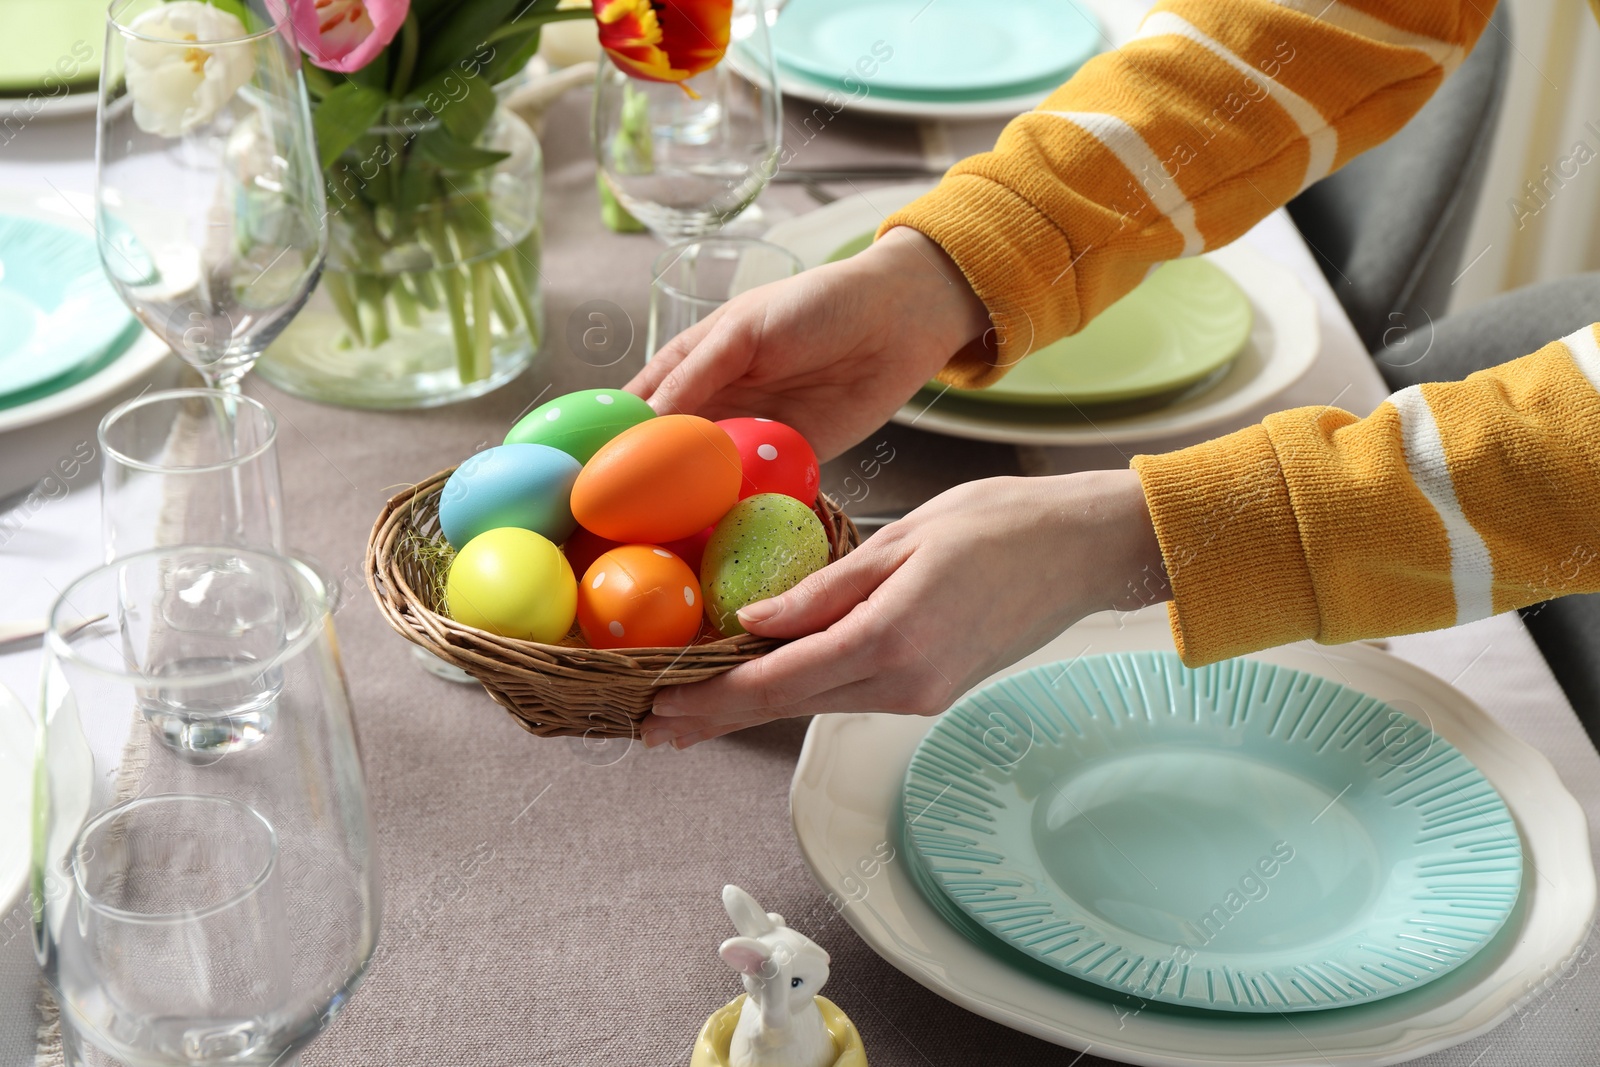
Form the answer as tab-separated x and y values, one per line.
691	280
204	877
189	466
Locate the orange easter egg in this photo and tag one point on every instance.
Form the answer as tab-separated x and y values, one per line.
639	596
664	479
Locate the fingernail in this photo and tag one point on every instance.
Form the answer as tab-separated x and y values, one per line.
658	736
667	706
681	743
761	611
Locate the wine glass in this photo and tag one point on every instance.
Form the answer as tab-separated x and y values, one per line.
199	902
209	200
684	164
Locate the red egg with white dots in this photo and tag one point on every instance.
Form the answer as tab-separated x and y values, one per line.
584	547
639	596
775	459
691	549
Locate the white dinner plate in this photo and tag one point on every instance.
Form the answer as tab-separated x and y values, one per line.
1284	341
844	804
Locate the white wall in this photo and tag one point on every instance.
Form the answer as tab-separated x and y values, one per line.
1550	118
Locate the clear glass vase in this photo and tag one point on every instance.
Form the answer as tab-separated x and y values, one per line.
432	291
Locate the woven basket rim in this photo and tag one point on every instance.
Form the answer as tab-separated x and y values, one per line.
406	610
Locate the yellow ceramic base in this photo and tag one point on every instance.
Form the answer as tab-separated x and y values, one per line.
711	1047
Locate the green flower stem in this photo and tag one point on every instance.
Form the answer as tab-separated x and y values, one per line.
504	307
372	303
337	286
422	289
516	282
405	304
454	298
482	307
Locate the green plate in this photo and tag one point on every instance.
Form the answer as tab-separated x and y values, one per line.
1184	323
50	47
914	48
58	314
1241	837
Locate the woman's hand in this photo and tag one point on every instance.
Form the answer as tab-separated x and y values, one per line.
971	581
833	352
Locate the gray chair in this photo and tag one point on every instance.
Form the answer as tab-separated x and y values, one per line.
1566	630
1388	228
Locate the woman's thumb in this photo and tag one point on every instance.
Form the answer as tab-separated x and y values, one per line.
816	602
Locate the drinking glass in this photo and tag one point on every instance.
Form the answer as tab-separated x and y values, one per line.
691	280
684	164
178	927
209	201
205	883
189	466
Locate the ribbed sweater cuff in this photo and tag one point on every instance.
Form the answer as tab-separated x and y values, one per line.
1002	243
1239	576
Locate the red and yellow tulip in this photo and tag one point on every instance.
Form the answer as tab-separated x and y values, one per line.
664	40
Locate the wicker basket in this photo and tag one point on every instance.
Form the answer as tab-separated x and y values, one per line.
552	690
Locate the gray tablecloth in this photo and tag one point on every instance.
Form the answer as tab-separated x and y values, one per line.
549	902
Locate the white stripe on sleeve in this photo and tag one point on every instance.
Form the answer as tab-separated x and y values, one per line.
1347	18
1134	153
1322	139
1471	567
1585	353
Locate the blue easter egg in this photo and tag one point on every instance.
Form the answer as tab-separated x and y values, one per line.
526	486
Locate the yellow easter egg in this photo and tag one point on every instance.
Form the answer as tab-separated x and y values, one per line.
514	583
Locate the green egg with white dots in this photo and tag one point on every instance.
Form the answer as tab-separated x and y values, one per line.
580	423
763	546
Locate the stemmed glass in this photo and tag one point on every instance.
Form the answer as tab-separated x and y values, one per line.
204	878
209	198
685	164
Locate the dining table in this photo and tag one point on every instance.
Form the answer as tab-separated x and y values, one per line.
558	900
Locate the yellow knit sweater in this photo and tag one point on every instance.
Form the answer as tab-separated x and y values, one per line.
1452	501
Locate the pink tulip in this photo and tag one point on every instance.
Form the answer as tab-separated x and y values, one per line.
345	35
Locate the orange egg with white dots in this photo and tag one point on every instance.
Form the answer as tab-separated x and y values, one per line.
639	596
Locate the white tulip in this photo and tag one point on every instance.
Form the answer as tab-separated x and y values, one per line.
176	82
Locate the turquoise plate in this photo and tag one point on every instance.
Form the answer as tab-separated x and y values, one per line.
1241	837
58	314
917	48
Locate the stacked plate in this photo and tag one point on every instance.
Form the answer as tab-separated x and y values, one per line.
953	58
1198	344
60	321
1253	862
50	57
69	349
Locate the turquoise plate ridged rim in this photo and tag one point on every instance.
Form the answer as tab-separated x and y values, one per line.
953	49
59	315
1241	837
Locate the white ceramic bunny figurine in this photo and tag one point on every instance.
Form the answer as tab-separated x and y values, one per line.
780	1024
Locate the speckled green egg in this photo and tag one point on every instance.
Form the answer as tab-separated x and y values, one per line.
762	547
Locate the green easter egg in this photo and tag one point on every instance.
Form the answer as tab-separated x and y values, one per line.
763	546
580	423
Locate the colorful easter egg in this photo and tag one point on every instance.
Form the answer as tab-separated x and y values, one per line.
514	583
584	547
691	549
762	547
580	423
775	459
666	478
529	486
639	596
